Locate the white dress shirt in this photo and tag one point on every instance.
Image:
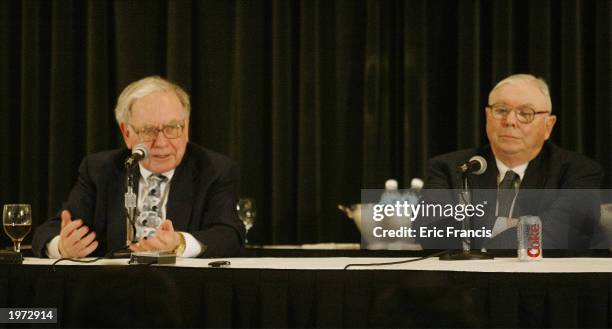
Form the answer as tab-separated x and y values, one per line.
502	168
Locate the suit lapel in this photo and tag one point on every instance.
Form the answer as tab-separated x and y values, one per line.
182	190
533	174
116	214
533	182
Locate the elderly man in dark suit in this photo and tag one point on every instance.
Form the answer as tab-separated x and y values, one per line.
187	194
544	179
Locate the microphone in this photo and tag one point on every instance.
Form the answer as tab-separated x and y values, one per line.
477	165
139	153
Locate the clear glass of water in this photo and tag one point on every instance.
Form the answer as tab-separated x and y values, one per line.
17	222
246	213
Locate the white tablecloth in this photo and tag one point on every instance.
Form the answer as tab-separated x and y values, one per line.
546	265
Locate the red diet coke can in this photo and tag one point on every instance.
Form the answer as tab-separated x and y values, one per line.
529	234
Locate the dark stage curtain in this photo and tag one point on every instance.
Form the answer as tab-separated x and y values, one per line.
314	99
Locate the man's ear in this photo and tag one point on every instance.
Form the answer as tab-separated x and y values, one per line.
550	124
126	133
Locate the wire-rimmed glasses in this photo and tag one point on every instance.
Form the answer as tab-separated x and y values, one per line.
524	113
150	133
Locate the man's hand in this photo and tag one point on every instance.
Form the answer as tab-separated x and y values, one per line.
75	238
165	239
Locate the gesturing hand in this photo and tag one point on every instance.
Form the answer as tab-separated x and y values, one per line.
165	239
75	238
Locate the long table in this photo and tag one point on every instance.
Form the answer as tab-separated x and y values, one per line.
317	292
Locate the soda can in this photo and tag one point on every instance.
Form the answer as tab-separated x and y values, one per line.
529	235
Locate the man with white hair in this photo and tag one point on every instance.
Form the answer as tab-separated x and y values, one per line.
526	175
187	194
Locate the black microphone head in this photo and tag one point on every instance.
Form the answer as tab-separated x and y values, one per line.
482	164
141	150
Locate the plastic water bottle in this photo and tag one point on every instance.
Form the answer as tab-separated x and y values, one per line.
412	195
529	235
416	184
391	195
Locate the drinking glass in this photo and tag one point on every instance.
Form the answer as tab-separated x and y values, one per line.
246	213
17	222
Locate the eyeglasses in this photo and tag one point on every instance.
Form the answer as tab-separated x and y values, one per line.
524	113
171	131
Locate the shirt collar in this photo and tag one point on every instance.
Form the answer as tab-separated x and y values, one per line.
502	168
145	173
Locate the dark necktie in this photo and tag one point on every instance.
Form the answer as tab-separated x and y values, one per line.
150	216
508	188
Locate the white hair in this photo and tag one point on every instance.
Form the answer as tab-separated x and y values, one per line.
526	78
142	88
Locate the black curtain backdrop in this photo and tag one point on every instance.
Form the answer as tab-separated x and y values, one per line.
314	99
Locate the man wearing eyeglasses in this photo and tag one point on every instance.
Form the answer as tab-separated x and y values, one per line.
526	174
186	194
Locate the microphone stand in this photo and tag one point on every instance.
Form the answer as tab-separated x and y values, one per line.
466	253
130	202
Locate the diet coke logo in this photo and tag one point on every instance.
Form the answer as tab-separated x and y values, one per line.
534	248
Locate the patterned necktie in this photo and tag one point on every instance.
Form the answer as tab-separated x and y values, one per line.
150	216
508	188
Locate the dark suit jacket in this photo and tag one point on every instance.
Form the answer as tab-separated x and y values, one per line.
202	202
559	186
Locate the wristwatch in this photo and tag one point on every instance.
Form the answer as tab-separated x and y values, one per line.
181	246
